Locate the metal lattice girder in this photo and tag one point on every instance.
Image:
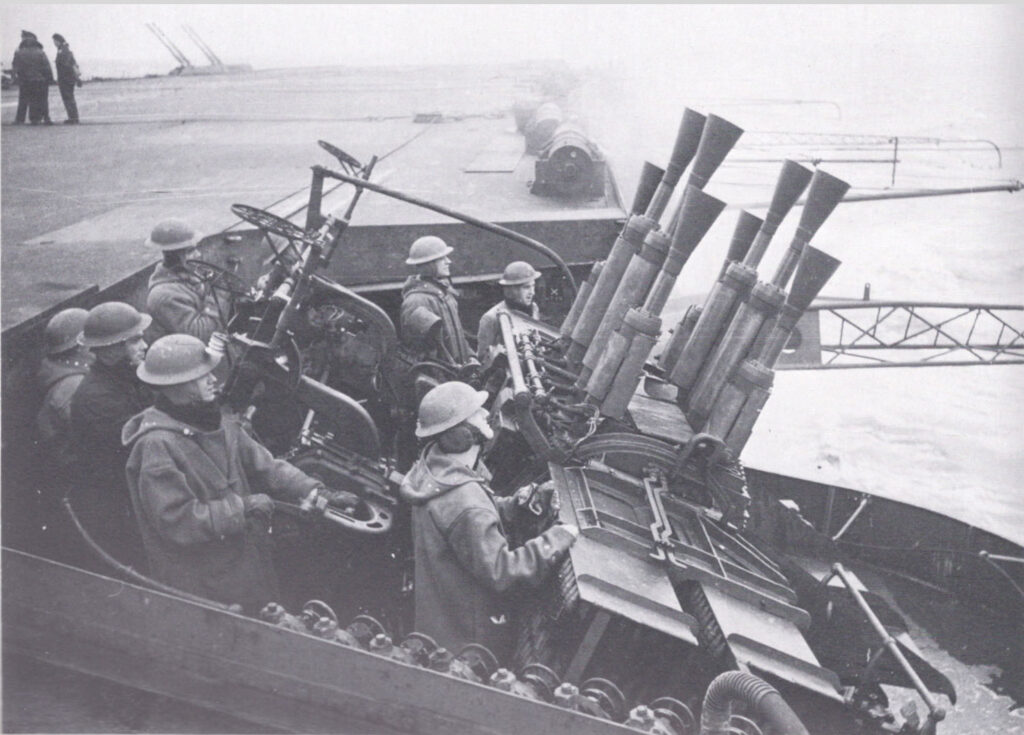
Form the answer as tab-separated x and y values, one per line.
857	334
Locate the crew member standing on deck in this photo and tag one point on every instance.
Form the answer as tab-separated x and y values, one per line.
201	486
518	286
469	582
34	74
178	301
107	397
24	90
68	77
430	324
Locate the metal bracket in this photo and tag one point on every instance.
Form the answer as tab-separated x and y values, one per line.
661	530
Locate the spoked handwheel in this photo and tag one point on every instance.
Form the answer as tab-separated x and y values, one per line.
269	222
348	162
219	278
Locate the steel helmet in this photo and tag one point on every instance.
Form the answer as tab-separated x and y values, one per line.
172	234
63	330
447	405
176	359
518	273
111	323
426	249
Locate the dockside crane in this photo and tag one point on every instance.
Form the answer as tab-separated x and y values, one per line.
179	56
203	46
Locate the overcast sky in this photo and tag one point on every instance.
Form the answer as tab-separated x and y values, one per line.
275	35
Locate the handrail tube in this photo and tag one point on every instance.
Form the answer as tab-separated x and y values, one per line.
468	219
1010	187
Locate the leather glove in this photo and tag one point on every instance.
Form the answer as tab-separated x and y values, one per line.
258	504
540	500
341	499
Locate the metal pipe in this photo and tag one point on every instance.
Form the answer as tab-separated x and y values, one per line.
853	517
935	713
515	370
468	219
1011	187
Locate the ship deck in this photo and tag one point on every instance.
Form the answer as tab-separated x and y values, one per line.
79	201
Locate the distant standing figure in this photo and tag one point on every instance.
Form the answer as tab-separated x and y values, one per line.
32	68
24	91
68	77
518	285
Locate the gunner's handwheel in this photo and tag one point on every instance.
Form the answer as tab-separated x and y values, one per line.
369	516
269	222
219	279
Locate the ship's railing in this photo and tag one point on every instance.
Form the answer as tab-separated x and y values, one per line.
859	334
935	713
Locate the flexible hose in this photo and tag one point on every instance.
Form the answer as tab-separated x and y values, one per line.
130	572
764	702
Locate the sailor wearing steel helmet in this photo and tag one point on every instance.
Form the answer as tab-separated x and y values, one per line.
430	324
107	397
469	581
177	301
201	486
60	373
518	286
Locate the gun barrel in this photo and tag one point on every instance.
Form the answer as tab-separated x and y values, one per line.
581	300
764	303
718	138
688	137
793	179
699	212
824	194
747	226
678	340
628	243
813	272
650	177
